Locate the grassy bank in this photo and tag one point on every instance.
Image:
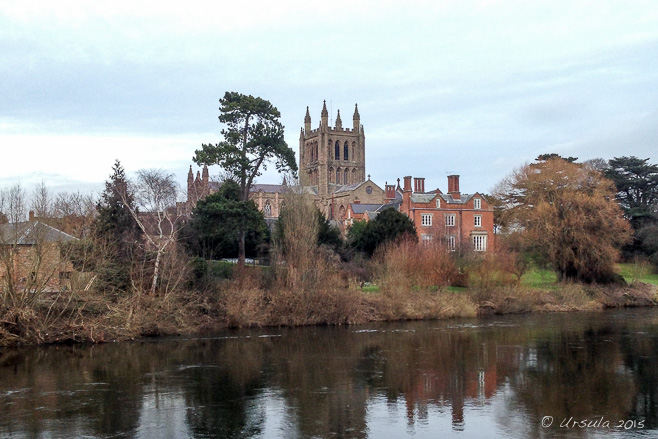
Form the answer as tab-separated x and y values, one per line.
317	289
248	300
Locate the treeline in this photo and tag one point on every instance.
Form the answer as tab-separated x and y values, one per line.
134	263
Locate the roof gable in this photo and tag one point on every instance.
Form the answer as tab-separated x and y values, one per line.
29	233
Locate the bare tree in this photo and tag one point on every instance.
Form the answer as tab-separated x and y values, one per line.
75	212
156	194
41	202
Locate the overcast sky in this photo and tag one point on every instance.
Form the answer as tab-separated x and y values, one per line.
475	88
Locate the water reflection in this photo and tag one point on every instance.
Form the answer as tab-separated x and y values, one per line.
495	377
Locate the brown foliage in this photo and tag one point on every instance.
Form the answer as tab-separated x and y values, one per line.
567	213
403	264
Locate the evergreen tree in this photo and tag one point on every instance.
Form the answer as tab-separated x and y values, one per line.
389	225
252	138
637	188
116	234
637	193
214	229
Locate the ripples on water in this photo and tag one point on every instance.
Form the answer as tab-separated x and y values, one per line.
481	378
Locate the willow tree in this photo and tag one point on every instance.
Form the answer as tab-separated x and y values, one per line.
565	212
252	139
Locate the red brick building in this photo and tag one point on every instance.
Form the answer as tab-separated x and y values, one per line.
461	220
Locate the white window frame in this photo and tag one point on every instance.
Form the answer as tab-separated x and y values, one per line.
438	202
426	239
452	243
426	219
477	220
450	220
477	203
480	243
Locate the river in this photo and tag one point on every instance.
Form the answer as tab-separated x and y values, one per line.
536	375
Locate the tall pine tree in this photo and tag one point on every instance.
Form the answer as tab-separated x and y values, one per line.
116	234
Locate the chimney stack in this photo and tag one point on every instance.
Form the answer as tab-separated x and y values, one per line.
405	207
419	185
390	191
407	184
453	186
31	216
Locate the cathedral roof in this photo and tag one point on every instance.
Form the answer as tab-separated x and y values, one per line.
349	187
269	188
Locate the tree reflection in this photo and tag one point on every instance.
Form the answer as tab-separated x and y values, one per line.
325	382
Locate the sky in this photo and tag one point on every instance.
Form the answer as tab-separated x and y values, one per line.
475	88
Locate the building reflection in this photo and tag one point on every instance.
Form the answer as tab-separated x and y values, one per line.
324	382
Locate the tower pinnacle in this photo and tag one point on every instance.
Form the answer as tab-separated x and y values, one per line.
307	121
324	116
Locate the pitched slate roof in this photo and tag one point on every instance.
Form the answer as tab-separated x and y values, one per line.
462	200
372	210
269	188
362	208
28	233
349	187
422	198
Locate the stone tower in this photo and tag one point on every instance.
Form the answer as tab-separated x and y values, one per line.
331	158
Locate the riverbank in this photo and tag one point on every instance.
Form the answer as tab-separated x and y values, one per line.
244	302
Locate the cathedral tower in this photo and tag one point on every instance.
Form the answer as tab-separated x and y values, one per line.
331	158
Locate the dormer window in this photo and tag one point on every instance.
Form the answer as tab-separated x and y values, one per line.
477	203
438	202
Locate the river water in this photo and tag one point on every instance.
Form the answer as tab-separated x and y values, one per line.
542	375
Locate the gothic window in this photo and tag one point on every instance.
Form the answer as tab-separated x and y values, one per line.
338	176
316	151
311	153
331	175
346	175
346	152
354	179
267	210
337	157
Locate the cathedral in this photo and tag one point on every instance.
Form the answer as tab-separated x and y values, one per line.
332	164
332	169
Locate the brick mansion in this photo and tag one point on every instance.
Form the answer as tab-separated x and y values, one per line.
332	169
